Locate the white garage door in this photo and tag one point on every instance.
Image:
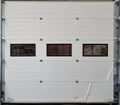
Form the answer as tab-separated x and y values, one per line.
58	52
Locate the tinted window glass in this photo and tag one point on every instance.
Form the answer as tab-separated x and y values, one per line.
95	49
59	50
22	50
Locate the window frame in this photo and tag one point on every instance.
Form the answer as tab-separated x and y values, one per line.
84	55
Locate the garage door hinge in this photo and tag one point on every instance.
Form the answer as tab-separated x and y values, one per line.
117	18
117	2
116	61
117	86
3	61
3	39
3	19
117	39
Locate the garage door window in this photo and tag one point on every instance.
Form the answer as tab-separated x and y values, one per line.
22	50
95	50
59	50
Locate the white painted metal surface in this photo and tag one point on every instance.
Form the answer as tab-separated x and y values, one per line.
59	25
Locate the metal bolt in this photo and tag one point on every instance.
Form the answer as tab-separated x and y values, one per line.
41	18
77	39
77	18
77	60
76	81
41	60
41	81
41	39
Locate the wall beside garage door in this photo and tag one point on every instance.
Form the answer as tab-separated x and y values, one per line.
58	52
